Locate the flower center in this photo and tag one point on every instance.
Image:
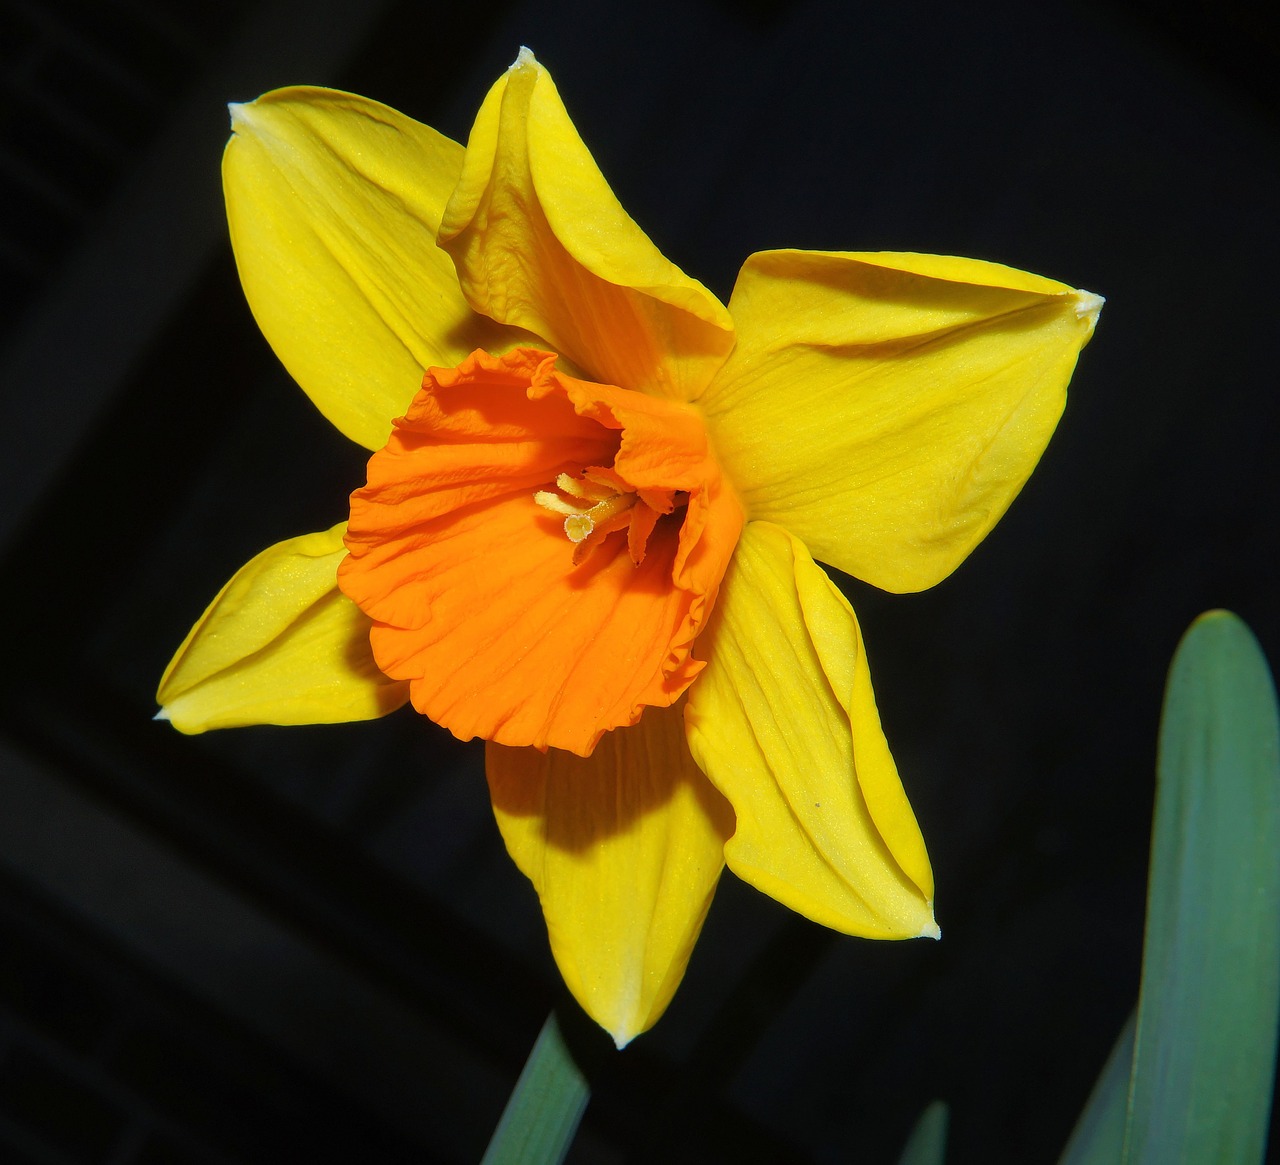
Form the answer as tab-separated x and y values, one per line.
461	550
598	503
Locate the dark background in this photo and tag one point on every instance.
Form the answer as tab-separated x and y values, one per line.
275	945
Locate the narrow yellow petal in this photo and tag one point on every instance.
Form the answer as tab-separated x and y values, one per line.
784	722
541	243
279	645
624	848
887	409
333	203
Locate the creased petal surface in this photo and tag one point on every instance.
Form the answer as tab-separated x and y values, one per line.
624	849
784	723
333	203
886	409
541	243
279	645
472	586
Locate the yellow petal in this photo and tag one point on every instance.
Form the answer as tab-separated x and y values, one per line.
542	243
333	202
783	721
624	848
279	645
886	409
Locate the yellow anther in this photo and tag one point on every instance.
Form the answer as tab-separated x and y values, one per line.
556	504
596	510
585	487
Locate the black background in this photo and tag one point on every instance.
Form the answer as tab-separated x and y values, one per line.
308	944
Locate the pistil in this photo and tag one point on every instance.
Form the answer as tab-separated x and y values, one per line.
601	505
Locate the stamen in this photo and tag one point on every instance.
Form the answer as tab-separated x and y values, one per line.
588	487
606	509
587	526
549	501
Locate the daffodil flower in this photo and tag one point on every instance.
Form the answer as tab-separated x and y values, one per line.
593	508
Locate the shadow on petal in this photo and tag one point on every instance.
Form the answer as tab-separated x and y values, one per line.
624	849
574	802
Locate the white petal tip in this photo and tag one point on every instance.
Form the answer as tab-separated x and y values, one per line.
930	929
163	714
1088	306
622	1039
524	57
242	116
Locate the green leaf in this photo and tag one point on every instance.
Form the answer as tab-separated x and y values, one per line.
1098	1138
1204	1051
927	1144
542	1115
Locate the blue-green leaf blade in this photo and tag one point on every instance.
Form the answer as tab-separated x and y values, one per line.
540	1120
927	1144
1098	1138
1204	1051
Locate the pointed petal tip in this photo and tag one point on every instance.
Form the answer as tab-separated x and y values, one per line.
163	714
931	929
524	58
239	114
1088	306
622	1038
